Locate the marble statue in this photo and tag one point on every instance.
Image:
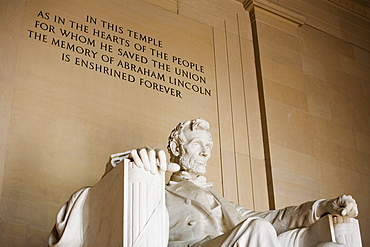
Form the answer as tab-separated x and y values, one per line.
201	217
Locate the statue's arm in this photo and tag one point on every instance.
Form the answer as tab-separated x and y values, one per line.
305	214
293	217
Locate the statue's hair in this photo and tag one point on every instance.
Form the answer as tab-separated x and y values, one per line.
177	134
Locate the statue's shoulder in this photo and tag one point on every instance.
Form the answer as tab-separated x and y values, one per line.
181	186
184	189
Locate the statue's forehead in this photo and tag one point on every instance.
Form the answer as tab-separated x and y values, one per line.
199	134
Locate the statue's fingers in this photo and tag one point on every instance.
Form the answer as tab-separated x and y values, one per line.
352	210
144	157
153	161
349	197
136	158
162	160
173	167
350	206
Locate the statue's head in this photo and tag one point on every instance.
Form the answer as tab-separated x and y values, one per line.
190	145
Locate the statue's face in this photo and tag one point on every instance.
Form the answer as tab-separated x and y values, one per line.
197	151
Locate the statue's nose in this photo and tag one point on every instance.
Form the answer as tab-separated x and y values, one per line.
204	152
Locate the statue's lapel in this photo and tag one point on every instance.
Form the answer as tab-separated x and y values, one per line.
232	216
190	191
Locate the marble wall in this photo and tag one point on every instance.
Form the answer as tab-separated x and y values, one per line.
315	70
286	80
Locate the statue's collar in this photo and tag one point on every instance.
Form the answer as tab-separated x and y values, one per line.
180	176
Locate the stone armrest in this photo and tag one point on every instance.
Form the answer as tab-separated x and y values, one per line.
338	229
127	208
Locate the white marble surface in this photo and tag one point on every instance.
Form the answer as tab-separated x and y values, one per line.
127	208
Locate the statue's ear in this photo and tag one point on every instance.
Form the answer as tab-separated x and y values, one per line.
175	148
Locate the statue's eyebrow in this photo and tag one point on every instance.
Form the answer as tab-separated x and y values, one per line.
199	138
195	138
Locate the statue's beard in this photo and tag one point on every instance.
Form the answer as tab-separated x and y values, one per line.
189	164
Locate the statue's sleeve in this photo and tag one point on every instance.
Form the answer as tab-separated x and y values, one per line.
68	228
287	218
